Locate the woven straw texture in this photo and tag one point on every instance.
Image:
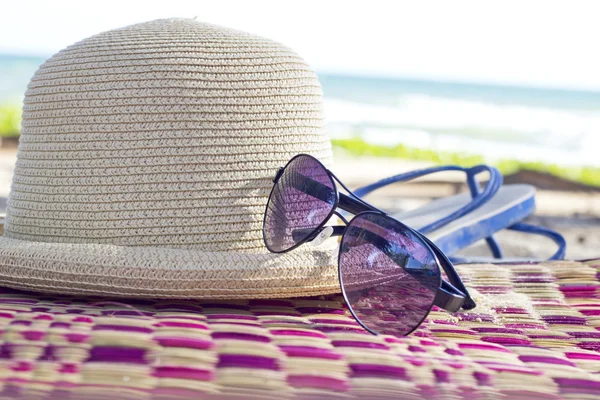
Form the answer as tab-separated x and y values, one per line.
534	335
145	162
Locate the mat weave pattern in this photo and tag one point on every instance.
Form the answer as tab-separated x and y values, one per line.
534	334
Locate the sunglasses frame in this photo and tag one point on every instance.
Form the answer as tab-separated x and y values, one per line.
451	295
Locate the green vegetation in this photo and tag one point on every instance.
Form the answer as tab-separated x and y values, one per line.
357	146
10	120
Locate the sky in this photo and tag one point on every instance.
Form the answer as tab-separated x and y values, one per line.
532	43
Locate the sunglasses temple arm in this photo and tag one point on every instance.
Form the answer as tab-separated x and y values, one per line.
449	298
456	284
354	205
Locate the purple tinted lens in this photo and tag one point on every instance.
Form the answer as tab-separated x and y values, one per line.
302	199
389	276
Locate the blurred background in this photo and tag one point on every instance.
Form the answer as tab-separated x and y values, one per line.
406	85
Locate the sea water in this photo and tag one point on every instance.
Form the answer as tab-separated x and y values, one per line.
498	122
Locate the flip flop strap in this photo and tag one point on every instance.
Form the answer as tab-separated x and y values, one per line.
479	197
547	232
475	190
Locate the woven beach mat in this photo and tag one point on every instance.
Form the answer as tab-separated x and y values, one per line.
535	334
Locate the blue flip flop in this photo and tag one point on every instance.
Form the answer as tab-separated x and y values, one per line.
458	221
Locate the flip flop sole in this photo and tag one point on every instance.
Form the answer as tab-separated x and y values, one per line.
511	204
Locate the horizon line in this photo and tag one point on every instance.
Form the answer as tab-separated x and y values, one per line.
399	76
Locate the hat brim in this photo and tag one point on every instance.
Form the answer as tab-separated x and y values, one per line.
98	269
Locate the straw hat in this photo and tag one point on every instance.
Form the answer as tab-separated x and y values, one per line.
145	163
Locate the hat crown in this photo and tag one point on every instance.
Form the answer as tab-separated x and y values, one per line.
165	133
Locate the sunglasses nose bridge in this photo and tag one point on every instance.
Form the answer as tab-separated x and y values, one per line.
324	233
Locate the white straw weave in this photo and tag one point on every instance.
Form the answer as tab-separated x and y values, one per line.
145	162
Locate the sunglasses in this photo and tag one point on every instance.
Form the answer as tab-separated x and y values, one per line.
390	274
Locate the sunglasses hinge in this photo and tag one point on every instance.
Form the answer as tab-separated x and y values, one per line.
278	174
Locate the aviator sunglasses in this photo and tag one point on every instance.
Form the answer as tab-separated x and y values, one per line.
390	275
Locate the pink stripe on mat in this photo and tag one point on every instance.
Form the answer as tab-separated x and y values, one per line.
355	343
118	354
376	370
289	332
318	382
247	361
182	341
548	360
